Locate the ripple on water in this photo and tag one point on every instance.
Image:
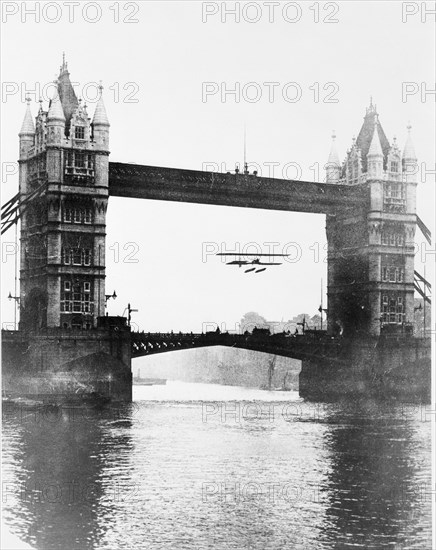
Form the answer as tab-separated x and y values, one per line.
225	468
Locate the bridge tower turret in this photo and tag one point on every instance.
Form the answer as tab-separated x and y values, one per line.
100	125
375	155
27	132
409	159
371	252
63	230
333	164
27	138
27	142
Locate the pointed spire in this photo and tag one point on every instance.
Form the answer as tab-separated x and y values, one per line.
55	111
64	66
366	134
375	149
334	157
28	127
409	149
67	94
333	164
100	116
372	109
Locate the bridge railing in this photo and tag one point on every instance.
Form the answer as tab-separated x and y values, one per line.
281	344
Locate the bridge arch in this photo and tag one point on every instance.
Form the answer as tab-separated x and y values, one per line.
224	365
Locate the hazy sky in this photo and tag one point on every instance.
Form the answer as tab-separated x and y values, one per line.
154	71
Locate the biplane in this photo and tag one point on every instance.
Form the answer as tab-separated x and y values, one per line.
256	262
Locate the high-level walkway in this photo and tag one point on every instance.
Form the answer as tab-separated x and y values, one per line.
243	190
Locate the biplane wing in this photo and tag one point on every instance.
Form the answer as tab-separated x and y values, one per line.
254	262
243	254
238	262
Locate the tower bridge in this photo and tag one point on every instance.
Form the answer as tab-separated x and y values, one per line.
66	180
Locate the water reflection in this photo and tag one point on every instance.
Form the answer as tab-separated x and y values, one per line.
276	476
377	488
56	465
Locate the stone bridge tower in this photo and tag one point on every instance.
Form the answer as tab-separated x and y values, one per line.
371	251
62	265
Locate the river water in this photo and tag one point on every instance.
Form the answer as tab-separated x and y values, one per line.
196	466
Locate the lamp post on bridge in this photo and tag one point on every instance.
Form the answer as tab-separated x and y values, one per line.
322	310
17	303
129	313
108	297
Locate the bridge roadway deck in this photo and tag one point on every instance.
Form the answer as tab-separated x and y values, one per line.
250	191
297	347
